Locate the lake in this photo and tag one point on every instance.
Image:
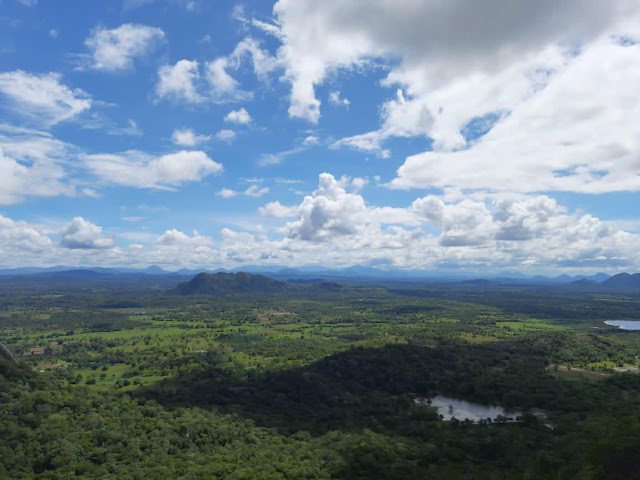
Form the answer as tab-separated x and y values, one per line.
460	409
624	324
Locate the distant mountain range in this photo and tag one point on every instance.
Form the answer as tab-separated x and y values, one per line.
278	279
305	273
623	282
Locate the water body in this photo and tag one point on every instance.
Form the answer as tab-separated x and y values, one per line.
624	324
461	409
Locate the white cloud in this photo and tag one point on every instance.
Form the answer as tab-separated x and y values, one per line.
310	140
42	99
483	232
226	135
53	33
91	193
328	213
178	82
222	84
440	40
225	88
18	238
336	99
240	117
32	164
540	80
252	191
176	238
547	142
269	28
370	142
81	234
255	191
277	210
267	159
138	169
183	81
115	49
186	137
227	193
358	183
263	63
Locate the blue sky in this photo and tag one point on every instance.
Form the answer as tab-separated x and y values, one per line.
412	135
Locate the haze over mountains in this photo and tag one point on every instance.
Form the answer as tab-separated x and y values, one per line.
279	279
307	272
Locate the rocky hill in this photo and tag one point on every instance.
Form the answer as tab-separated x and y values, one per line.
221	284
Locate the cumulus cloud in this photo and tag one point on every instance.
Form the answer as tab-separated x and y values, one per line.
186	137
437	40
240	117
115	49
224	88
277	210
511	222
176	238
138	169
184	81
221	82
262	62
179	82
81	234
547	143
484	232
227	193
528	86
41	98
32	164
18	237
328	213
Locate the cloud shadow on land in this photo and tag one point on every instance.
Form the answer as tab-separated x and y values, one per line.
359	388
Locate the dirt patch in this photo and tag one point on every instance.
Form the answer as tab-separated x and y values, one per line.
48	366
35	351
268	314
578	372
626	369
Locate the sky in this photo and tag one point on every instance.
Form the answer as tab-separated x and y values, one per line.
480	136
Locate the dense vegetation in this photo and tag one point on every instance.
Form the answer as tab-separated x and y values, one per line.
138	381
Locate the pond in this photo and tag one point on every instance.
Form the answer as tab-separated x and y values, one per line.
624	324
460	409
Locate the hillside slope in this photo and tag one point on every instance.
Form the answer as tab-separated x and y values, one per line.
232	283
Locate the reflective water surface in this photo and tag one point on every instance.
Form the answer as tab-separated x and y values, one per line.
461	409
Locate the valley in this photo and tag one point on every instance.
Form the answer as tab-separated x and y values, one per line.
249	377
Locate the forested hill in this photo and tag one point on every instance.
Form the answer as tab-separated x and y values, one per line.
623	282
232	283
